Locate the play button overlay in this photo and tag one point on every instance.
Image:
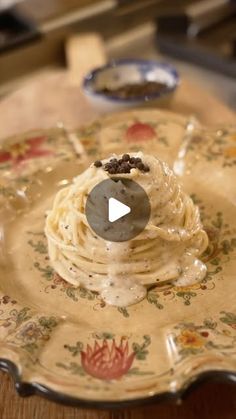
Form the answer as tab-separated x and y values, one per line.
117	209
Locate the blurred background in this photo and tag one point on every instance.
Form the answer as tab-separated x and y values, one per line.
197	35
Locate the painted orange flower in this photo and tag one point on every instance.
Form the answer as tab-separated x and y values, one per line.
107	361
232	137
188	288
190	339
230	152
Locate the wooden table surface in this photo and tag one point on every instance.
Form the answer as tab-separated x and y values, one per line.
208	401
40	104
49	97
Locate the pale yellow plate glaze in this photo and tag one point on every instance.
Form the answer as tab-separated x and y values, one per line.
65	342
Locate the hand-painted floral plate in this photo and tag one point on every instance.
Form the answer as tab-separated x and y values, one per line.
65	343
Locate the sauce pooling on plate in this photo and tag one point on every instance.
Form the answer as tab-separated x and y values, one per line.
120	288
168	249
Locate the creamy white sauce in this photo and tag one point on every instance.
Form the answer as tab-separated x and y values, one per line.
123	292
193	270
120	288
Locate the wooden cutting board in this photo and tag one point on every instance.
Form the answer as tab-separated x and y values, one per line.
50	97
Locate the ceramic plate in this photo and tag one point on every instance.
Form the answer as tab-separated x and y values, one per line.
65	343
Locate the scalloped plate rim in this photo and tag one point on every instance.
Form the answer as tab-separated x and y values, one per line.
26	389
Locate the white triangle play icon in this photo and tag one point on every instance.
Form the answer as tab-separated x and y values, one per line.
116	210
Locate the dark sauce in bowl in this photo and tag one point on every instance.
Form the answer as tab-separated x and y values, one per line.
131	91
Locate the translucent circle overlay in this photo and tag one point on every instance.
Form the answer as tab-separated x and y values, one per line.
129	193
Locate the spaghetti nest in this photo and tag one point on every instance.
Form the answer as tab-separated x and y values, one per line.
172	240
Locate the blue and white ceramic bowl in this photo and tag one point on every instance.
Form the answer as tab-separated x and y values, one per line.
126	71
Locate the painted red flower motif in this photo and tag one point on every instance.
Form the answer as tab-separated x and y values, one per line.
140	132
24	150
107	361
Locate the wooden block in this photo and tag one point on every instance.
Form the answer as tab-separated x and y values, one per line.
84	52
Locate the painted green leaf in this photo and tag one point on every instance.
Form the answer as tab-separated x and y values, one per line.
38	246
83	293
73	367
71	293
123	310
22	315
140	350
76	349
48	322
47	272
136	371
30	347
229	318
104	335
152	298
